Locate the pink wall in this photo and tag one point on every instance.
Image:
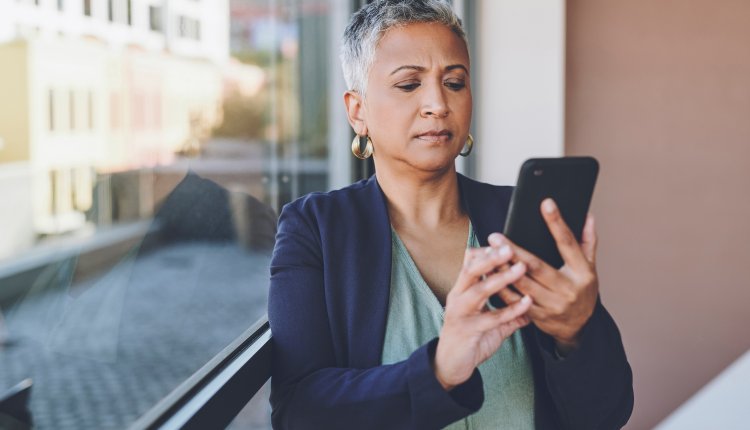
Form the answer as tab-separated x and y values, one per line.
659	91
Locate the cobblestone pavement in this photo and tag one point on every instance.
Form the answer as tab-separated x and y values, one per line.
103	352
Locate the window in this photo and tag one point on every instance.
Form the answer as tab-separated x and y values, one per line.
90	109
189	28
53	198
155	18
114	111
60	5
72	109
51	109
144	256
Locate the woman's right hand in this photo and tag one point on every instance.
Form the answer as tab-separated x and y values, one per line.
471	332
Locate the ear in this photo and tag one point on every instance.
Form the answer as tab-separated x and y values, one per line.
355	110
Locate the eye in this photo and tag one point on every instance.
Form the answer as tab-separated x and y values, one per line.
455	85
408	87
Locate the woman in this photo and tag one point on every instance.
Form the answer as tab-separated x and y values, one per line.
360	275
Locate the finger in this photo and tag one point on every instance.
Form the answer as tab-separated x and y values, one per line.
478	262
536	312
542	296
496	240
509	296
589	239
506	330
470	254
535	266
570	250
475	298
490	320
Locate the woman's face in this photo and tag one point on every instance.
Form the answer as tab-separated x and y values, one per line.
417	108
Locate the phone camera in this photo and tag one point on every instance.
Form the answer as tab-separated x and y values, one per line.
538	172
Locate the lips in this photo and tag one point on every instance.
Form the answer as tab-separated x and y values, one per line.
435	135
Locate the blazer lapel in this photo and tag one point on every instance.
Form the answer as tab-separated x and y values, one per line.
369	309
486	205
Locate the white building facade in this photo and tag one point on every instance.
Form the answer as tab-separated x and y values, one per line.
95	87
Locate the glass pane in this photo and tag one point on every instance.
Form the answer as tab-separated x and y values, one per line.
256	415
141	175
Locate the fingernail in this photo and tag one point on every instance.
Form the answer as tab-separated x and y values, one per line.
517	268
495	239
548	205
504	251
526	300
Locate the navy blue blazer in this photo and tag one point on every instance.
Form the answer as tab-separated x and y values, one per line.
328	304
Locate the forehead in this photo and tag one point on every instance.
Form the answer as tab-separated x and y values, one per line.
420	44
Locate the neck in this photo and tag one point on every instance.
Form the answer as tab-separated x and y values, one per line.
428	200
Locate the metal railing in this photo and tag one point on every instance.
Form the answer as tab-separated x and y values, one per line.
216	393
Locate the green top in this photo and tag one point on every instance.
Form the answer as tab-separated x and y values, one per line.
415	317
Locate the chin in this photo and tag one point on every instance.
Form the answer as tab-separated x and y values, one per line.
434	163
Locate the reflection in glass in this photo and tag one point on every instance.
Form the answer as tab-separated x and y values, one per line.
116	322
141	174
256	415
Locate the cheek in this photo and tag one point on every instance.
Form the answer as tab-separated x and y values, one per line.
463	106
390	117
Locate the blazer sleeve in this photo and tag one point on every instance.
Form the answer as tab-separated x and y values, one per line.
592	387
308	388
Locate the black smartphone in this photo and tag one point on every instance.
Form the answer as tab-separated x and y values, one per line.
569	181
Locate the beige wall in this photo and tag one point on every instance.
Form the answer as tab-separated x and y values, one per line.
660	93
66	67
14	103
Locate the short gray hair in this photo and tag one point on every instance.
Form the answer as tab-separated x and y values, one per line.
369	24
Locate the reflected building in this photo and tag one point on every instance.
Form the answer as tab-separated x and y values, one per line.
92	88
142	168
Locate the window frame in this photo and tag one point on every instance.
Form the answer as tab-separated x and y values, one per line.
214	395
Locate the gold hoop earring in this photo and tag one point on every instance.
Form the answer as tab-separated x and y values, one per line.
469	146
357	148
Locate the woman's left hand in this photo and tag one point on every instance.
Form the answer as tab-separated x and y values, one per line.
564	299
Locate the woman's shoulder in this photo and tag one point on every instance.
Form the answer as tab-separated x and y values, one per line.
336	204
473	189
364	201
335	217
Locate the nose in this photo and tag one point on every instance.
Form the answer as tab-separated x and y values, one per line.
434	103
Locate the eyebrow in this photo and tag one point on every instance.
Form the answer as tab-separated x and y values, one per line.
422	69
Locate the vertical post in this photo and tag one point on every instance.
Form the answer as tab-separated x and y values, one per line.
521	84
273	168
339	132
